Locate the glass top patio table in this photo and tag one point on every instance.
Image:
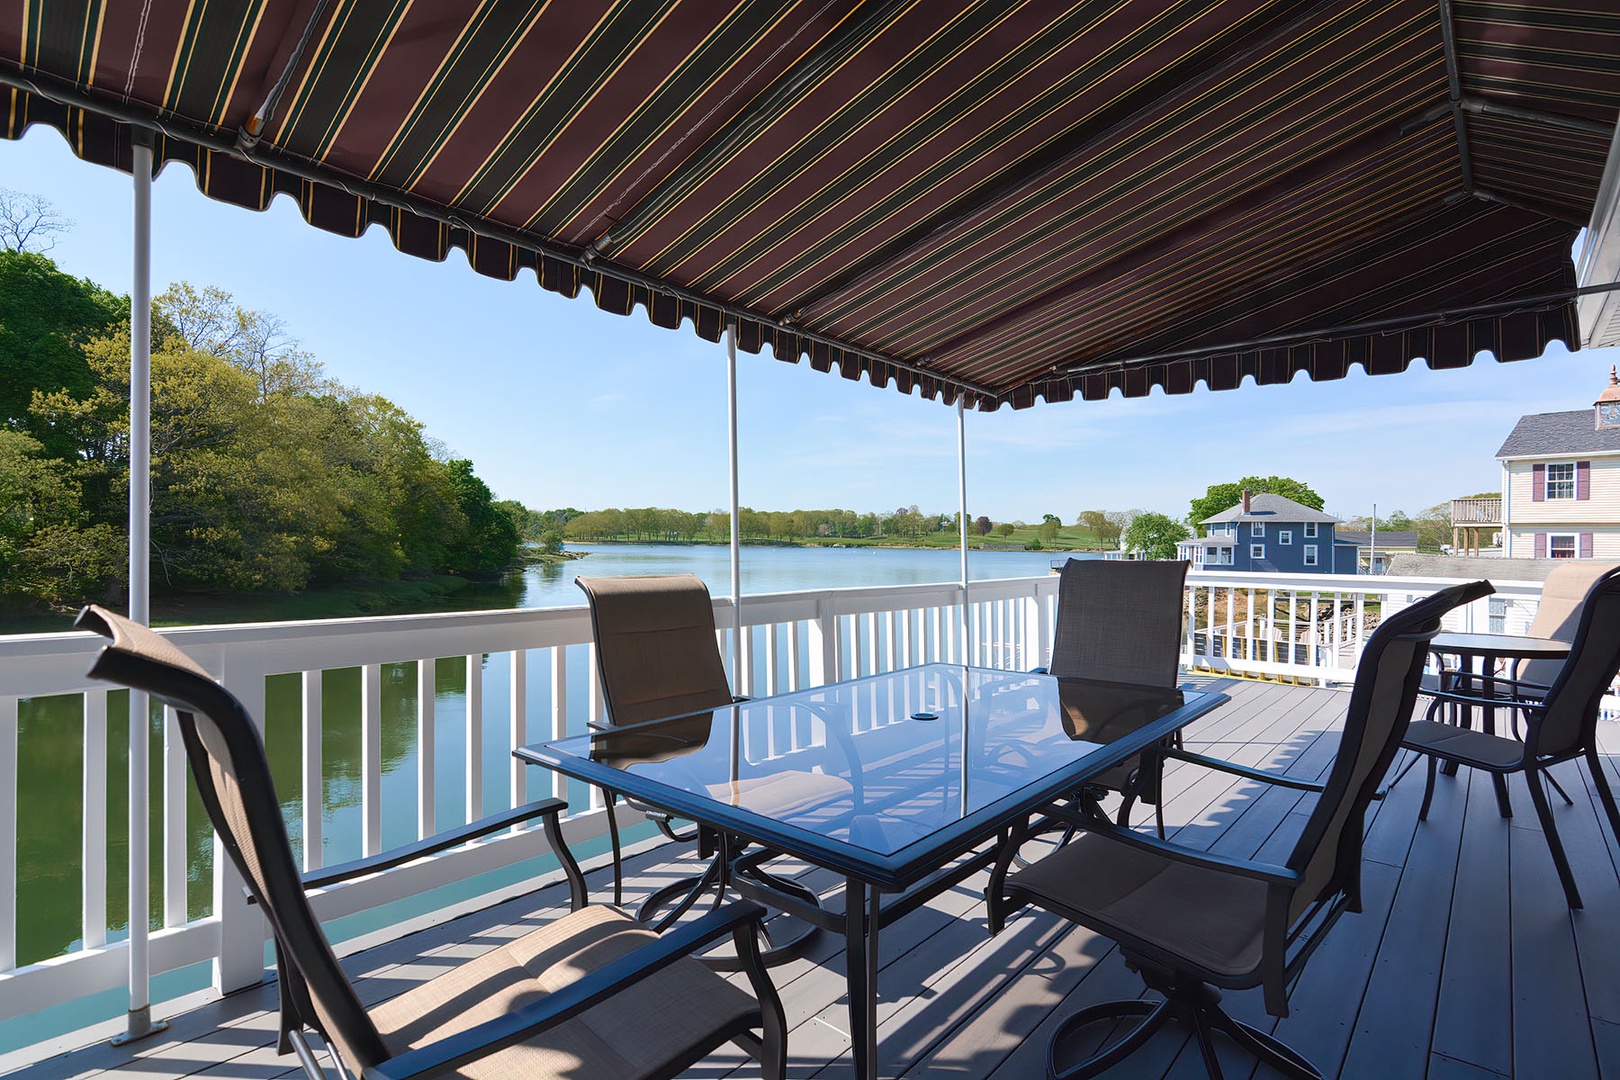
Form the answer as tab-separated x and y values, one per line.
883	778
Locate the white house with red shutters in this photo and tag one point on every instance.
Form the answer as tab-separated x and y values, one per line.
1561	482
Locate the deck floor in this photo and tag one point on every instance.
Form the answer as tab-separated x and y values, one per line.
1464	963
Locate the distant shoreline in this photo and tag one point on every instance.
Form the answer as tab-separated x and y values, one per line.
853	543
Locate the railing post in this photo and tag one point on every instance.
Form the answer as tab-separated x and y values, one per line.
426	748
94	843
8	833
474	793
240	962
314	808
518	703
174	821
370	759
824	651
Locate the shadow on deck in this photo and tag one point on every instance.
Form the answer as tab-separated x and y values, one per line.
1464	963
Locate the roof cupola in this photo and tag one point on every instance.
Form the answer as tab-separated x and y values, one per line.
1607	407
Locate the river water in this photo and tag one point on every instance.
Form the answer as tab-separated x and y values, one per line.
50	732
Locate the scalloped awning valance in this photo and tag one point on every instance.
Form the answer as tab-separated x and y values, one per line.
1011	201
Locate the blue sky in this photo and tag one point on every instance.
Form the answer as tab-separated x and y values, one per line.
558	403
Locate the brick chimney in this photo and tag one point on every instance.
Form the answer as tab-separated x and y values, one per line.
1245	500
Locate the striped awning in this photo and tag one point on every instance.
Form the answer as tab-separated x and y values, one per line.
1011	201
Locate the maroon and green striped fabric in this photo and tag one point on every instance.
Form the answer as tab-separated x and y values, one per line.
1014	201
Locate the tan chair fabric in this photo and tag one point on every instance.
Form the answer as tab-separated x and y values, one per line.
634	1034
1213	919
1119	621
1559	612
669	1016
656	651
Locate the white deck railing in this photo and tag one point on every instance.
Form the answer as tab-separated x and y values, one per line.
536	668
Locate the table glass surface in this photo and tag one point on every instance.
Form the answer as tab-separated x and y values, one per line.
1499	645
883	762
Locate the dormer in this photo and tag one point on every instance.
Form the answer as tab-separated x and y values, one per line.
1606	410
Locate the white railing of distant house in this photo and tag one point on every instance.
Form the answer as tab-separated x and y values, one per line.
1304	627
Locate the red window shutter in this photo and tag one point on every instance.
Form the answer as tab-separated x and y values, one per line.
1538	490
1583	479
1541	545
1585	546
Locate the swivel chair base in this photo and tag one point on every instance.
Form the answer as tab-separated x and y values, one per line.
1193	1002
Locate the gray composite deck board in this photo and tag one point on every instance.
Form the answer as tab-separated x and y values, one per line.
1463	965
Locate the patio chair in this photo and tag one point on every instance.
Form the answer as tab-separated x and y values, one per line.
584	996
1560	726
658	660
1190	921
1121	622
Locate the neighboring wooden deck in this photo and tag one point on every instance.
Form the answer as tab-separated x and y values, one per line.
1465	963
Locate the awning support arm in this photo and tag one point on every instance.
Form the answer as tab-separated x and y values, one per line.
247	136
1448	31
138	1019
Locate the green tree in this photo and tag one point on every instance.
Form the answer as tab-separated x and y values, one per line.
1155	535
1006	528
1048	530
46	317
490	542
1223	496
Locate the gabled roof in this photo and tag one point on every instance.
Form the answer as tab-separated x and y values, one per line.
1385	539
1558	433
1002	202
1268	508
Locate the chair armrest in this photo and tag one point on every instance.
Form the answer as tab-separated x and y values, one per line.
1039	671
331	875
570	1001
1267	872
1241	770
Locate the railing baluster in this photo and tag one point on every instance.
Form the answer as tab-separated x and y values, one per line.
795	667
314	783
475	736
8	833
772	643
518	724
371	759
594	710
559	712
426	748
891	653
174	821
93	848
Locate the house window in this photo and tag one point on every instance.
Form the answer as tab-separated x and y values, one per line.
1258	528
1257	551
1498	611
1561	483
1285	536
1560	545
1310	554
1310	530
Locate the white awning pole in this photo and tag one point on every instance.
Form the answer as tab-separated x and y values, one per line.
961	478
139	1021
736	516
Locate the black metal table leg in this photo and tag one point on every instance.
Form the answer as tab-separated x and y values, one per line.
861	918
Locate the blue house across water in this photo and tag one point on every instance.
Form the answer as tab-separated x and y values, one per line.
1271	534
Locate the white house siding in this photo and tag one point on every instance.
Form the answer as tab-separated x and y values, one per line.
1603	507
1605	538
1599	514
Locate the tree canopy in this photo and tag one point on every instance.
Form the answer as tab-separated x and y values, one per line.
1222	496
1154	535
266	475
